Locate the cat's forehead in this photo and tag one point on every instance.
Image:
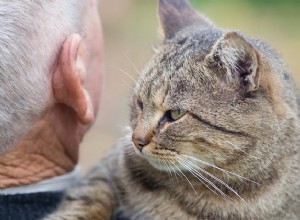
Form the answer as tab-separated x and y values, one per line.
171	70
192	41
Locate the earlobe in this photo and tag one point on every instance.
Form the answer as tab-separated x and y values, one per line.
89	115
68	80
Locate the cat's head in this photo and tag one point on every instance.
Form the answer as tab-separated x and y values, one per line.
208	97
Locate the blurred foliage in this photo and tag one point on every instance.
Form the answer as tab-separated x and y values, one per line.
255	3
290	9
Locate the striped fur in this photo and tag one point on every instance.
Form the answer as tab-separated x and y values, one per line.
233	155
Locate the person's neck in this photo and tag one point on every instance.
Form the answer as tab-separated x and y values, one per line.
40	155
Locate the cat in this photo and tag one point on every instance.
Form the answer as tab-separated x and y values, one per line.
214	133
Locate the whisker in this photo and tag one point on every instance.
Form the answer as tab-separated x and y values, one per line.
218	168
130	154
131	63
226	185
175	172
169	167
215	178
198	176
185	177
128	85
168	170
226	197
127	74
155	50
236	147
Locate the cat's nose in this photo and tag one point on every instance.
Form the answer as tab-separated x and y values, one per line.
140	141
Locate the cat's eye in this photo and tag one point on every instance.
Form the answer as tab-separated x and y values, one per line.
176	114
171	116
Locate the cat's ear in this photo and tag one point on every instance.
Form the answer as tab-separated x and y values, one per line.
238	58
175	15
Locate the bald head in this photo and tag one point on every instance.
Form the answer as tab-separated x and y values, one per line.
31	34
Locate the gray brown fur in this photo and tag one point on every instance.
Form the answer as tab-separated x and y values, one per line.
243	117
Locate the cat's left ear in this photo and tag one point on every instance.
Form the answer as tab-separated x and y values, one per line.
238	58
175	15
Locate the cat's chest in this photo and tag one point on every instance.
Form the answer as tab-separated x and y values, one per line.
154	205
143	195
153	214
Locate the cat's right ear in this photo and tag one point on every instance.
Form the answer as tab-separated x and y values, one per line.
238	58
175	15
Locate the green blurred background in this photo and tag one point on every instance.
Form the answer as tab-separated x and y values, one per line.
131	32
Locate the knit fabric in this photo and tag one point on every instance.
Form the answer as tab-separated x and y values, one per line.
32	206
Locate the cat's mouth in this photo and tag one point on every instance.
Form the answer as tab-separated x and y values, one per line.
161	159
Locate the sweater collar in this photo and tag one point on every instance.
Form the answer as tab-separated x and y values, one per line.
54	184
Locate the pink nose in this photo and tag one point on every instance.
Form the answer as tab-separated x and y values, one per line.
140	141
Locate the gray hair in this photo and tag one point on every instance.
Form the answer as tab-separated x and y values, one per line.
31	34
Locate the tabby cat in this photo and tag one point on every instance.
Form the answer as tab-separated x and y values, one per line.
214	133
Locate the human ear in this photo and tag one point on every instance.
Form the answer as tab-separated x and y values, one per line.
69	77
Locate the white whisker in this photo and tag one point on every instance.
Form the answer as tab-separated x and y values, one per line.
131	63
130	154
185	177
236	147
171	168
215	178
168	170
128	85
218	168
184	164
127	74
199	177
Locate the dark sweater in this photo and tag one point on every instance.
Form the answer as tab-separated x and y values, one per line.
32	206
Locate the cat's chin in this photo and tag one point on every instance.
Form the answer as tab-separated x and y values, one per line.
161	165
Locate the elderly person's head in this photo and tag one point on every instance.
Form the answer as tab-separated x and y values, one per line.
50	73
